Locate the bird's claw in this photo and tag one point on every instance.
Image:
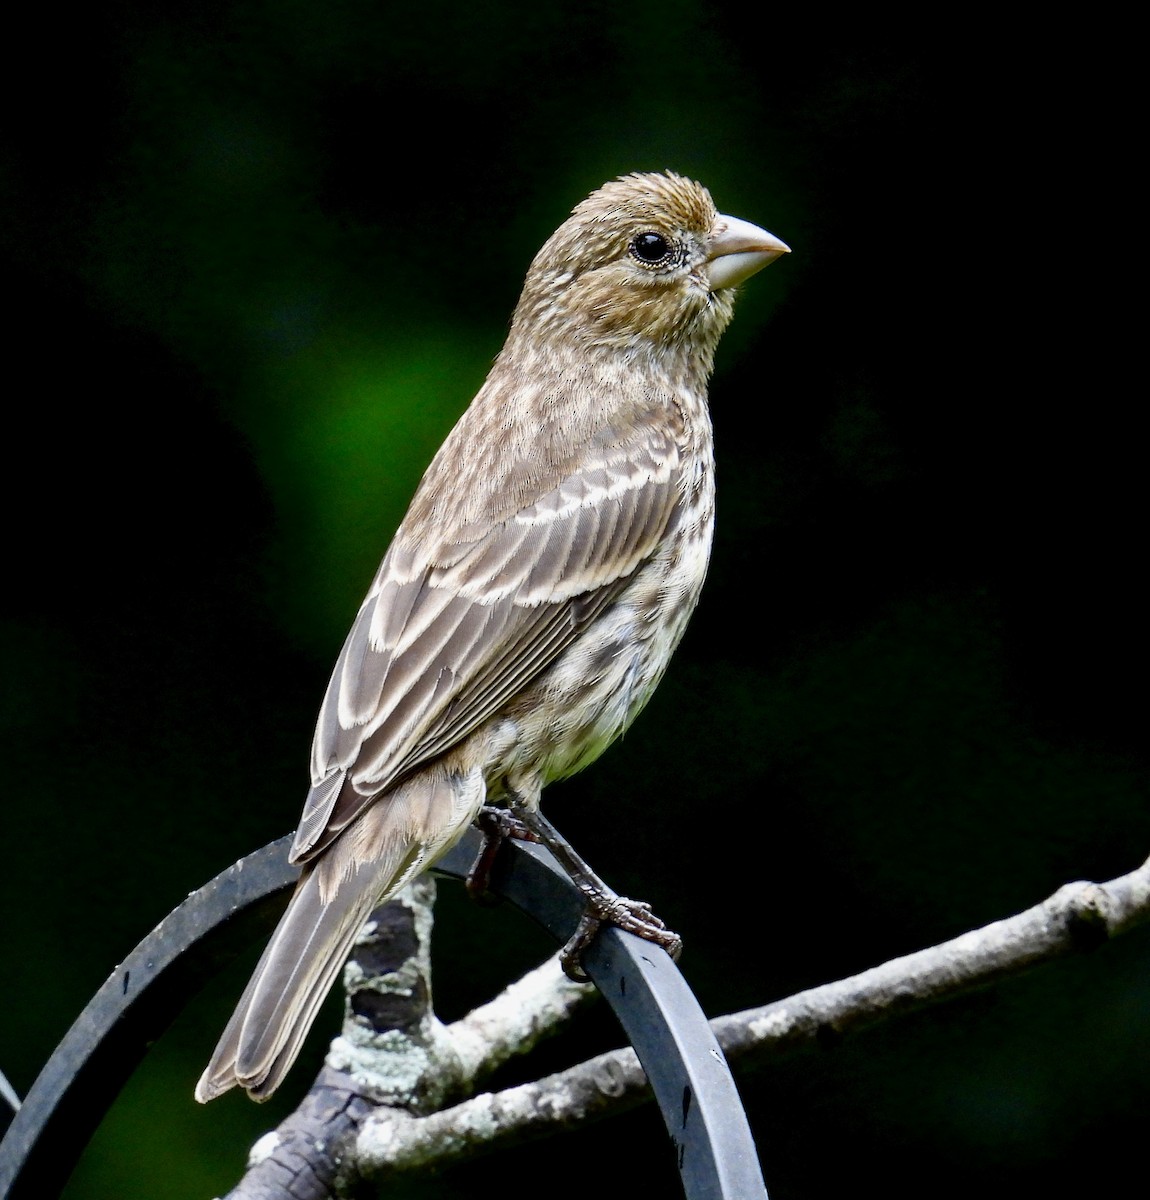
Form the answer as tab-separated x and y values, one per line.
632	916
496	824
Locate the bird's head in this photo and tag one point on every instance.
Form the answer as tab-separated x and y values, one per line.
644	264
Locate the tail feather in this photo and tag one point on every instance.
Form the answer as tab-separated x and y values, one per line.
332	900
290	983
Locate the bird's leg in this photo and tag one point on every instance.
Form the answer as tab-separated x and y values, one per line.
496	825
603	904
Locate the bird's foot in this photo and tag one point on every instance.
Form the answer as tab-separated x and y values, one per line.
633	916
496	825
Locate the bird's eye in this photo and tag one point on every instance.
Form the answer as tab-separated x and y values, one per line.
651	249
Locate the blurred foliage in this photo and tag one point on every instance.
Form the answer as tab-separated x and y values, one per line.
259	257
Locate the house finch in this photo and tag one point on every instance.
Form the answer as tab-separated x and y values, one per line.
533	593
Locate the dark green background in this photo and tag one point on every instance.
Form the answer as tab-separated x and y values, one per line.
258	257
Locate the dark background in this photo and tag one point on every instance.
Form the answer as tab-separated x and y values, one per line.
257	259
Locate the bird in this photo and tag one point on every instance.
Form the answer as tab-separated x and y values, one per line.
532	596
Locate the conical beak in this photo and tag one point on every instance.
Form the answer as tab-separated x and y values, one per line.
737	250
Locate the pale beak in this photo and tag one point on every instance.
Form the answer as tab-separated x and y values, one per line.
737	249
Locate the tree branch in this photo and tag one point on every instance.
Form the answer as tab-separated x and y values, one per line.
1079	917
394	1052
403	1133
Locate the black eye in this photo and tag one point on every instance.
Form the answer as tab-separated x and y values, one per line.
650	248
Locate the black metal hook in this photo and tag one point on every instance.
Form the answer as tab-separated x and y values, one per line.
660	1015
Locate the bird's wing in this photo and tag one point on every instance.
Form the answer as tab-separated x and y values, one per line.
447	637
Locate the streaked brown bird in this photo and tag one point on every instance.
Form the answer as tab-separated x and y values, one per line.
533	594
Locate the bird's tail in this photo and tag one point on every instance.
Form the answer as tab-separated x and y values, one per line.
394	840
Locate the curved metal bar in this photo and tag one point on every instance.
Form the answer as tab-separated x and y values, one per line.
692	1083
690	1078
140	999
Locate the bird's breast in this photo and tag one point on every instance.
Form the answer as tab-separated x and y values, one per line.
600	684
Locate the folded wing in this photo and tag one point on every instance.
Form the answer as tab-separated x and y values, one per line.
449	633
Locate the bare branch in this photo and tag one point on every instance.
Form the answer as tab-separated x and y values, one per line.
391	1141
395	1053
386	1140
1077	918
523	1014
8	1093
